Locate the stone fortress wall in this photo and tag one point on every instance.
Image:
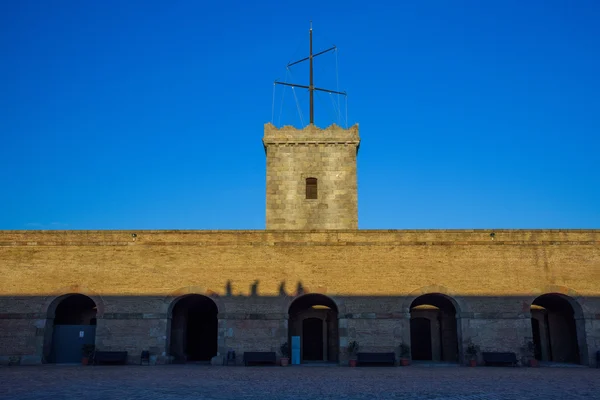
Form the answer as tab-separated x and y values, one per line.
373	279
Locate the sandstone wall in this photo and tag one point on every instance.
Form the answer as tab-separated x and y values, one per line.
253	276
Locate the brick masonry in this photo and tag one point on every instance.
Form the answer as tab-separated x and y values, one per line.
253	277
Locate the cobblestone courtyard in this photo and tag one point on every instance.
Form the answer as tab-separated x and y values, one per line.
204	382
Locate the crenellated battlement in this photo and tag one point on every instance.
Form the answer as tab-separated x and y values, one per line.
311	134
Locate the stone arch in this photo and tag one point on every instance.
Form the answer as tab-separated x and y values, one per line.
576	300
315	297
459	304
289	300
51	302
440	338
558	327
192	326
76	326
313	318
170	300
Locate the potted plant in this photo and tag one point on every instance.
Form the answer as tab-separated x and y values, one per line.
472	351
285	354
87	353
404	351
353	349
529	350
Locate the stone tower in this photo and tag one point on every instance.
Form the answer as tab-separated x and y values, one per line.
311	177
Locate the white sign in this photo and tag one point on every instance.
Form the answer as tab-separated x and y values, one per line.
80	333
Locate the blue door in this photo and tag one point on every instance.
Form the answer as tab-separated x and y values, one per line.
295	350
67	341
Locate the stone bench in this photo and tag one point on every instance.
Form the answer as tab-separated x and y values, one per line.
260	357
110	357
376	358
499	358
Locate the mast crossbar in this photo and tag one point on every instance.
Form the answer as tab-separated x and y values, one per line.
311	87
314	55
307	87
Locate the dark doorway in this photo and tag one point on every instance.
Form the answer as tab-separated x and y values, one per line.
433	328
420	333
73	325
535	327
314	318
312	339
554	329
194	329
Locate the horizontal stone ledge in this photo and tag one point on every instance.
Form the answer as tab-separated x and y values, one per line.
236	231
135	316
280	316
494	315
374	316
23	316
251	316
304	243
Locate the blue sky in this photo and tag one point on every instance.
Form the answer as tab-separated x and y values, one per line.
149	114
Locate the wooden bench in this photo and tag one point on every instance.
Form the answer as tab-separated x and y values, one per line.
499	358
260	357
376	358
110	357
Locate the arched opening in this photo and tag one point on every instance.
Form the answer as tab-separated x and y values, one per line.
194	329
313	329
555	330
72	321
433	328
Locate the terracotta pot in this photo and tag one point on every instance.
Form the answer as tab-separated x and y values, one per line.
85	360
285	361
404	362
353	363
534	363
472	363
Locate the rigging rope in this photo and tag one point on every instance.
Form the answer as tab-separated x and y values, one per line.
282	97
337	86
346	111
298	105
324	105
336	110
336	114
295	97
273	105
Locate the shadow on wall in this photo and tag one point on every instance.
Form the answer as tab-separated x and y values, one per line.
195	326
254	289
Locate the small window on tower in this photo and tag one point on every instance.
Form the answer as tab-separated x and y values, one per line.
311	188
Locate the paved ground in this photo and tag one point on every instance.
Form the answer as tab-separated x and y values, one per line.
182	382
